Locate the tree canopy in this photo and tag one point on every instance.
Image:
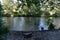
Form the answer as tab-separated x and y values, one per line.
31	7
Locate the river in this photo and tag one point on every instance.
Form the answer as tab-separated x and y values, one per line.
30	23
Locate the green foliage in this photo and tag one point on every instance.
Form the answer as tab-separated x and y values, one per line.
50	23
1	10
51	26
29	7
52	8
3	29
29	2
51	3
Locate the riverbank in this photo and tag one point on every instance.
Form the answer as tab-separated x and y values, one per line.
34	15
34	35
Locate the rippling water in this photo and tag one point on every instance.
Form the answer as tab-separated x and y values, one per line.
30	23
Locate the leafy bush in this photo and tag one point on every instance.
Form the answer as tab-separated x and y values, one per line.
3	29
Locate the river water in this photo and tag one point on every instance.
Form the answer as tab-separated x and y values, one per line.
30	23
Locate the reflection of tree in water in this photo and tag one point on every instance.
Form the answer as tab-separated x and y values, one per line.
50	23
31	23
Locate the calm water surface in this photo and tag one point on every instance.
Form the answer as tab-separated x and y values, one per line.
30	23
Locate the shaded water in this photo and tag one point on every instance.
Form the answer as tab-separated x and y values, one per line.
30	23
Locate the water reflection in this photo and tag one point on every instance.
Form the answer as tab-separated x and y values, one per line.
8	21
50	23
18	23
31	23
43	24
57	23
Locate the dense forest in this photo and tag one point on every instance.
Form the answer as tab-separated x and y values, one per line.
30	8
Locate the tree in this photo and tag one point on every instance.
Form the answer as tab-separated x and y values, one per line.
51	6
51	26
3	29
32	7
50	23
1	10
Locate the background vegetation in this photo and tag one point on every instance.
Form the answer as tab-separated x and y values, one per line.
4	29
30	8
